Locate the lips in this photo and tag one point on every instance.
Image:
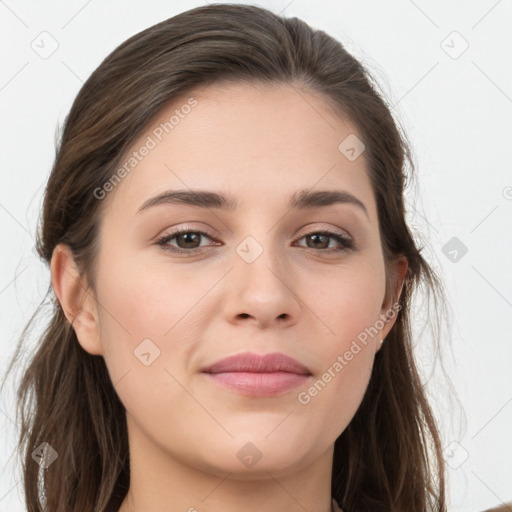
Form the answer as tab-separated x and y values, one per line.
250	362
257	375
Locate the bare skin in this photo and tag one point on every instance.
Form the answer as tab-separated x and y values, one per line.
301	297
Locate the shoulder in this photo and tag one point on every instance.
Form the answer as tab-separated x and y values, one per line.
505	507
335	506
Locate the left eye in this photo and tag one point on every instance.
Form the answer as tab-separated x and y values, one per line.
188	241
320	236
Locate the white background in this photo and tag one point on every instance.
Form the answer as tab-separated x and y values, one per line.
457	110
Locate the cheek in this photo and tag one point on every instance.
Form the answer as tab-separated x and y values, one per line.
347	302
149	301
142	317
349	311
347	357
149	325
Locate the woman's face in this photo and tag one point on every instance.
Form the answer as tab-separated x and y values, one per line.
265	279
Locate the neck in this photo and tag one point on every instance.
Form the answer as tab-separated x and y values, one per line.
158	479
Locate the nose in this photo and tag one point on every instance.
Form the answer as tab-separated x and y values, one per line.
262	292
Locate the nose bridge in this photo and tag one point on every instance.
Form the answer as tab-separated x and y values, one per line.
261	281
260	262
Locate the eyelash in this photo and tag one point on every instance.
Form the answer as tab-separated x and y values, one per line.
348	244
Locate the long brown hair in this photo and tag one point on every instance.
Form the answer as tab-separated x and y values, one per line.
389	458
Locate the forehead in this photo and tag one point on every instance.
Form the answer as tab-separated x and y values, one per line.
260	141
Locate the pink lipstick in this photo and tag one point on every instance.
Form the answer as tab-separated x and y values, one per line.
258	375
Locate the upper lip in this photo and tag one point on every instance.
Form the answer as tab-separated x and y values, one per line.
255	363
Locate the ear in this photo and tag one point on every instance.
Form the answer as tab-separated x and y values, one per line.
390	306
77	301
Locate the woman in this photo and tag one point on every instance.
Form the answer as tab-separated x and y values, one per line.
232	272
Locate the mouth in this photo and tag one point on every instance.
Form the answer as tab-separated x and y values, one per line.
251	374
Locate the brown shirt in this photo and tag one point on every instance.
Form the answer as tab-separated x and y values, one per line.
506	507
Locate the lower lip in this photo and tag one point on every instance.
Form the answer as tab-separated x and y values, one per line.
259	384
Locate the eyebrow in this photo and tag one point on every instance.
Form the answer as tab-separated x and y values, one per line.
301	199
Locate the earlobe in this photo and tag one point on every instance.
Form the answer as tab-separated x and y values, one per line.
390	309
77	302
401	270
379	344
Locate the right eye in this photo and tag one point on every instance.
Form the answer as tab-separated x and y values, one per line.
182	236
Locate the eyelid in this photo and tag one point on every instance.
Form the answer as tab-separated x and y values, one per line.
329	230
187	228
347	241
